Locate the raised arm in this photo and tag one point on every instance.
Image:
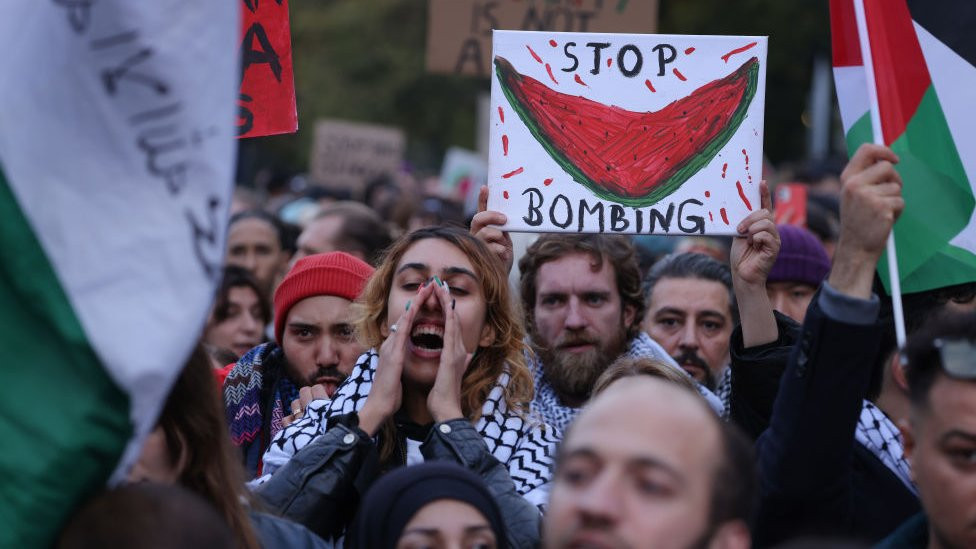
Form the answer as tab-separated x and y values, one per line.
806	455
753	254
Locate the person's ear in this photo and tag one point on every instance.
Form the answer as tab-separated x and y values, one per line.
630	312
908	443
488	335
733	534
183	457
898	372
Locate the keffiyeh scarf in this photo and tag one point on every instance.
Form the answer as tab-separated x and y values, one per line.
879	435
525	445
242	393
547	404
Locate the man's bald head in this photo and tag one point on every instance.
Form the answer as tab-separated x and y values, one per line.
648	463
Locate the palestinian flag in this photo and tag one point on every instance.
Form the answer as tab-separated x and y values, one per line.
924	58
116	153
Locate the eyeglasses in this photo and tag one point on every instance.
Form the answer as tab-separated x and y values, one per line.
958	357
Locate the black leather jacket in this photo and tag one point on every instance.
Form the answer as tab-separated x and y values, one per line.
321	486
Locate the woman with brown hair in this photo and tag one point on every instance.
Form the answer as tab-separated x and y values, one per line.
190	447
239	313
445	379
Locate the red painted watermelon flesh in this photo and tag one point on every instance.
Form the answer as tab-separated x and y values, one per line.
636	158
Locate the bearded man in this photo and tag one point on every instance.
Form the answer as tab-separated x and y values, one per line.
584	304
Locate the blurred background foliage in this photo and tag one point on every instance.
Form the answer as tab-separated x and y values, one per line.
363	60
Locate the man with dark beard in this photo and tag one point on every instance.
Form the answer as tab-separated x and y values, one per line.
583	301
315	348
692	312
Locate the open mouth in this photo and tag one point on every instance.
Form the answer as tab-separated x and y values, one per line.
694	370
577	346
331	384
427	338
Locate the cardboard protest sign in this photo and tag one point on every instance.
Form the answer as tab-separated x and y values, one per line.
459	31
626	133
346	155
266	104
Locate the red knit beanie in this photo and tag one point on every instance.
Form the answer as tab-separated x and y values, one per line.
334	273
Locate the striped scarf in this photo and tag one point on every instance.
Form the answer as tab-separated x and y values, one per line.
242	393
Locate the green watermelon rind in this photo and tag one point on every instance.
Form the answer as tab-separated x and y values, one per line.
691	166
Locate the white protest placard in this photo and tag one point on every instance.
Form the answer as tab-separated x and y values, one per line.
626	133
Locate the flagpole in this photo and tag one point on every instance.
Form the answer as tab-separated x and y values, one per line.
893	277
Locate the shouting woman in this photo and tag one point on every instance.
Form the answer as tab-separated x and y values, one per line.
445	379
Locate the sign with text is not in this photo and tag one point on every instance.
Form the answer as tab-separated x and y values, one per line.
459	31
626	133
266	104
346	155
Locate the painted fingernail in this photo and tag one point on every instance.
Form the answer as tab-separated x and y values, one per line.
408	305
452	304
438	281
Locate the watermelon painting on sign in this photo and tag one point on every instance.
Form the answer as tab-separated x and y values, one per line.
626	133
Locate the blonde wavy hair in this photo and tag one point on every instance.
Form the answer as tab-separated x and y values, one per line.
504	355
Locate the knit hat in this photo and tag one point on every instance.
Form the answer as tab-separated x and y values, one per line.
802	258
334	273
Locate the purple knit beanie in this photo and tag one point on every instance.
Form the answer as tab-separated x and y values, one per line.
802	257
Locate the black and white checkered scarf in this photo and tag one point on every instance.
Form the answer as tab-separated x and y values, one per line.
879	435
547	404
524	444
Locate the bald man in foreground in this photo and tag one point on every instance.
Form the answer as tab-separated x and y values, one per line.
648	464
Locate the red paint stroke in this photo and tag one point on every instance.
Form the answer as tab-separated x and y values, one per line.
724	167
742	195
708	194
505	194
501	114
748	174
737	50
552	43
513	172
678	74
689	51
725	216
579	80
710	218
649	85
551	77
609	61
547	182
505	144
534	54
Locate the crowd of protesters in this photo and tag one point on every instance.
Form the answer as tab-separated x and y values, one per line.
374	376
